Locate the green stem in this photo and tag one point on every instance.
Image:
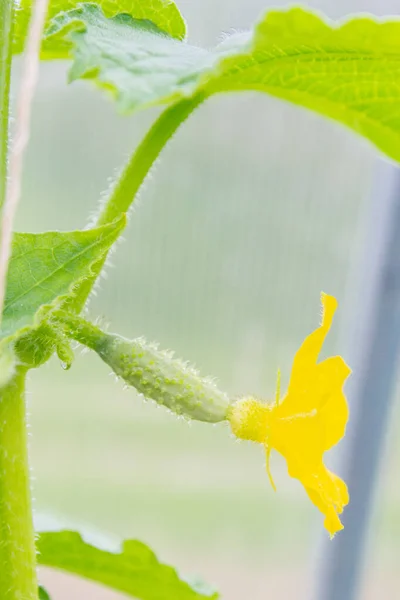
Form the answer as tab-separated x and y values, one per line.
78	329
18	579
133	175
6	32
144	157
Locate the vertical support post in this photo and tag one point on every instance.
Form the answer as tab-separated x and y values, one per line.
372	353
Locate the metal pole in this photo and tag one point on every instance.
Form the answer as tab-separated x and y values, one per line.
373	352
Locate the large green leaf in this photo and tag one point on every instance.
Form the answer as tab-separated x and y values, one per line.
45	267
349	71
135	570
162	12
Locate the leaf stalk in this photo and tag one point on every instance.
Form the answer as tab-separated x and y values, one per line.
133	175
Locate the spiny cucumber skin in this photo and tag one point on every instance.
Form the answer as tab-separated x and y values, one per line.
167	381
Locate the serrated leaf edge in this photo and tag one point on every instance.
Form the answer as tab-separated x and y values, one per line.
43	313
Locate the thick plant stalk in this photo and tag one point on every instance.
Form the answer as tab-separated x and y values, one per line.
18	579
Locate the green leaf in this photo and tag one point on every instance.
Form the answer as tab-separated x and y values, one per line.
134	59
345	71
135	570
163	13
43	595
45	267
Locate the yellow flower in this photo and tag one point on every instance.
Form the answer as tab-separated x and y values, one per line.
310	419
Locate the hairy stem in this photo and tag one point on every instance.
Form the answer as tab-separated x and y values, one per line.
6	31
144	157
78	329
133	175
18	579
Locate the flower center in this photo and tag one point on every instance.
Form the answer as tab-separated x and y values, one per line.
250	419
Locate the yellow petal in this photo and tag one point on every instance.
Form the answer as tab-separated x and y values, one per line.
318	386
329	494
324	395
334	410
302	440
306	357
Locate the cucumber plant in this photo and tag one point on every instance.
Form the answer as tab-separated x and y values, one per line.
136	52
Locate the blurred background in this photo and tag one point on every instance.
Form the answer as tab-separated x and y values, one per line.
255	207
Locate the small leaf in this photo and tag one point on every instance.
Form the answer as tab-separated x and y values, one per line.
345	71
163	13
43	595
135	571
45	267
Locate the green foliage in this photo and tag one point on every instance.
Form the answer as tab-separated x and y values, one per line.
45	267
135	50
135	570
341	71
162	12
43	595
145	66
